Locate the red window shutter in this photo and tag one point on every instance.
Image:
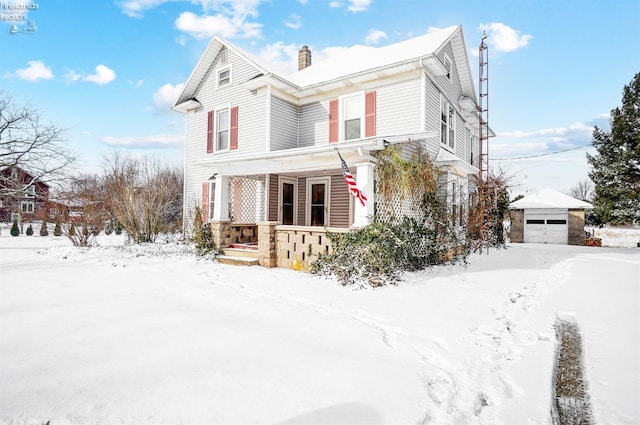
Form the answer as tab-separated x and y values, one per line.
210	116
205	202
370	114
334	124
233	129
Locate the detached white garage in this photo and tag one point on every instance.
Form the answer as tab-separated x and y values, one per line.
548	216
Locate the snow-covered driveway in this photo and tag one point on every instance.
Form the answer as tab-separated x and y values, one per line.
112	335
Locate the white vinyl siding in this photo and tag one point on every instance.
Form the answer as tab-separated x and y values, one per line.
284	124
314	124
251	123
398	108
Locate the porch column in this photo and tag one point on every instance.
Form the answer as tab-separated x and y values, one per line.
221	202
363	215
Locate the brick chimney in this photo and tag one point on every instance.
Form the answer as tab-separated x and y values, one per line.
304	58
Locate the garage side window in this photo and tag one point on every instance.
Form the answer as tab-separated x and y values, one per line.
531	221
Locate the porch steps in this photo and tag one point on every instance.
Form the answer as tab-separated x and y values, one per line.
239	256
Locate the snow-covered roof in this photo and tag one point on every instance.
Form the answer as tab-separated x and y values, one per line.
360	58
549	198
357	63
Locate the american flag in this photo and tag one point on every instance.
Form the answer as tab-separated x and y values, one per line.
351	182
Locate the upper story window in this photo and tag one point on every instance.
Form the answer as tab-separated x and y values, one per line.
224	77
447	124
30	192
352	116
222	132
14	174
447	66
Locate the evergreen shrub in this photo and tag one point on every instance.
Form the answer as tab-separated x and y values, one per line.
15	230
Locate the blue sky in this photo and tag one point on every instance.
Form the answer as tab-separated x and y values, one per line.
108	71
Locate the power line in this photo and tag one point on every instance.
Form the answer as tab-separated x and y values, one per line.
542	154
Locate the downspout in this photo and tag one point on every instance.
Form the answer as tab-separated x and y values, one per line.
184	173
423	95
268	135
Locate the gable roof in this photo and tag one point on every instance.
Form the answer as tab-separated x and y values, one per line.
355	64
549	198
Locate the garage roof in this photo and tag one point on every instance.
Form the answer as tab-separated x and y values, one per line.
549	198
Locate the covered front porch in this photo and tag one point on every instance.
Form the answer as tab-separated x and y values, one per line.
282	205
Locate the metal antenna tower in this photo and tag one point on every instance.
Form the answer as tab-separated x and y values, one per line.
483	115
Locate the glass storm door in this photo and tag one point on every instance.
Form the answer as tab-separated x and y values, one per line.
318	201
287	203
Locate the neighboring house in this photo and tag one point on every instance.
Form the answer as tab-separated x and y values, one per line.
549	217
22	196
260	149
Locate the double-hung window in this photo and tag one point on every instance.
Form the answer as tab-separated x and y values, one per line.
224	77
27	206
352	116
222	130
447	124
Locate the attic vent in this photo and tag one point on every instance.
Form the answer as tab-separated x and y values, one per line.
223	55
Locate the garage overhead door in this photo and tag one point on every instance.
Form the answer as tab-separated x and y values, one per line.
546	227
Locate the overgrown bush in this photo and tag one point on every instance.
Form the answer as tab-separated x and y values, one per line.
202	236
379	254
43	229
29	231
15	230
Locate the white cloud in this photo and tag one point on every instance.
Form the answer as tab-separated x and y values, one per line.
577	129
294	21
103	76
71	76
165	97
281	55
504	38
303	1
156	141
206	26
335	4
181	40
36	70
136	84
285	56
358	5
375	36
134	8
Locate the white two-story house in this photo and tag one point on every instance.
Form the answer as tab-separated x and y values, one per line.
261	145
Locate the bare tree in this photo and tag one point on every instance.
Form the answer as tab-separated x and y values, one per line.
27	142
86	193
144	195
583	190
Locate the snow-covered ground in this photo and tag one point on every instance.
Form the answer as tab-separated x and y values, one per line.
151	335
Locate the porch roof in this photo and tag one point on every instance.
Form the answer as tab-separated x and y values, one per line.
447	159
314	158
